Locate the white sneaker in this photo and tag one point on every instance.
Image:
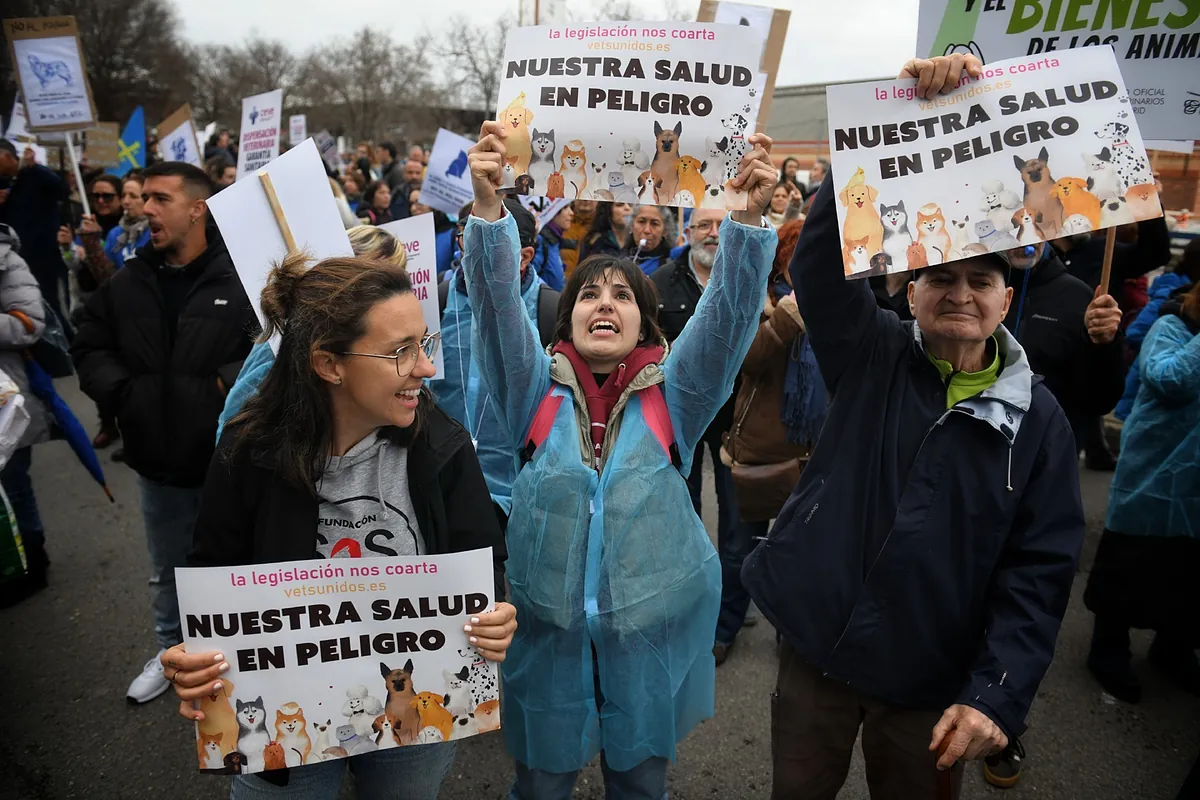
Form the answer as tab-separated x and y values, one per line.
150	684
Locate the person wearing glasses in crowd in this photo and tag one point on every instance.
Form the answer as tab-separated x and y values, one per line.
343	427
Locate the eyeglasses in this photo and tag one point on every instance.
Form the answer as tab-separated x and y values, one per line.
704	227
104	196
407	356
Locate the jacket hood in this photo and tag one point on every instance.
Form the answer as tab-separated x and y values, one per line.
9	238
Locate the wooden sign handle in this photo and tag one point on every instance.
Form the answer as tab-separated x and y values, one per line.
277	210
945	780
1110	243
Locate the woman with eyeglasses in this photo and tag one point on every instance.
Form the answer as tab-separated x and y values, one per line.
343	427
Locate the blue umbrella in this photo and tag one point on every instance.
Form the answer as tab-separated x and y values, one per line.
42	386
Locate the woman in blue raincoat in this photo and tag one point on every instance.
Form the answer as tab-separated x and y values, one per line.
616	579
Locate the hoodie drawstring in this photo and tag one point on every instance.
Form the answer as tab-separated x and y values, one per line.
1009	486
383	509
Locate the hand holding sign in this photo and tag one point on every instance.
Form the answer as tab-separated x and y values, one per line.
194	675
486	162
940	74
758	178
1102	318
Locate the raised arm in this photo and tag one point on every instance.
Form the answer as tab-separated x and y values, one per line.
1170	360
504	344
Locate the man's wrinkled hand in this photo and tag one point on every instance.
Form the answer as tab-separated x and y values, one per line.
1102	318
972	735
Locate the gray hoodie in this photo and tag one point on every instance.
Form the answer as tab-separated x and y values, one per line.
365	506
19	291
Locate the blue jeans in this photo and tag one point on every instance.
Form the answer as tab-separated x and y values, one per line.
646	781
18	486
735	539
169	514
415	772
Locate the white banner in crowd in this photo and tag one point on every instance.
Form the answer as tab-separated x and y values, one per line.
297	129
1036	148
339	657
252	234
259	145
48	59
327	147
419	239
17	129
1155	42
662	117
177	140
447	184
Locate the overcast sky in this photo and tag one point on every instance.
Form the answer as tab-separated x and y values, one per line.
828	40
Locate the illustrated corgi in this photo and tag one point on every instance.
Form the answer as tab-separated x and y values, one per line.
219	717
291	731
487	716
571	165
648	185
1076	199
666	156
856	257
896	236
541	162
252	732
273	757
1102	179
515	119
386	735
1115	211
433	713
1024	228
509	171
209	750
689	175
931	233
399	700
1047	210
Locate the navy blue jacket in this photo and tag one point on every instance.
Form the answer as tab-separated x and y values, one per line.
926	556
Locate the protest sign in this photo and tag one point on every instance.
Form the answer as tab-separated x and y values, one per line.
177	138
297	129
1035	148
339	657
1154	42
103	147
420	243
47	58
17	129
327	147
252	232
661	118
772	23
261	117
1184	147
447	184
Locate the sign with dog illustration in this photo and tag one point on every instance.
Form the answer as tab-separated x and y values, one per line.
1034	149
447	184
1156	43
177	140
637	112
47	58
335	658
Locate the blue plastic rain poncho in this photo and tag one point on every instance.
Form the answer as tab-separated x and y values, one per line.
612	558
1156	488
254	370
476	410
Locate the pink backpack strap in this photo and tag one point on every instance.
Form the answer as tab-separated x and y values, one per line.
654	408
543	421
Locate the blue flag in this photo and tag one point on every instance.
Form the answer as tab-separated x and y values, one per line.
131	147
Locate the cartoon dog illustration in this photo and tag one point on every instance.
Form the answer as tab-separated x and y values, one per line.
1115	211
862	217
666	156
1023	226
1143	201
515	119
998	203
571	165
219	718
1132	167
458	166
856	257
46	71
542	162
1046	209
1102	178
738	146
689	173
555	186
487	716
399	702
714	164
433	713
648	185
1076	199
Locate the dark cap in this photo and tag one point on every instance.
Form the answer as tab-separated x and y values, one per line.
992	258
526	224
8	147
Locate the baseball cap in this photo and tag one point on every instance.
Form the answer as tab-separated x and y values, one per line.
995	258
526	224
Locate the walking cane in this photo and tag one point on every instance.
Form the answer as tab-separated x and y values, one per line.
945	779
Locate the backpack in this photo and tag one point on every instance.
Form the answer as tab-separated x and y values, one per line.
547	308
653	404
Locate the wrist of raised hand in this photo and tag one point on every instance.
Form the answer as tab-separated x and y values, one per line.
488	210
752	218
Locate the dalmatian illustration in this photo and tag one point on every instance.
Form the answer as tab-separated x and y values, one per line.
736	123
482	677
1132	168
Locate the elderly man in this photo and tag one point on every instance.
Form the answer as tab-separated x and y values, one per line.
919	573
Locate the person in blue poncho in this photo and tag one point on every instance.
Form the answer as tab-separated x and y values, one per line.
1144	575
367	241
615	578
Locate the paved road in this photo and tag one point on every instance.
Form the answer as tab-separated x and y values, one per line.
69	653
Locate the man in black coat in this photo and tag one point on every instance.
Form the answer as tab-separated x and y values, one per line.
30	199
157	346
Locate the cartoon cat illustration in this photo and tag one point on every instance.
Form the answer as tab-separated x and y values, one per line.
325	739
291	731
208	747
252	732
896	236
992	239
621	192
574	157
960	234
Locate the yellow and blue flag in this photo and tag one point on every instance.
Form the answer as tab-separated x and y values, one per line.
131	147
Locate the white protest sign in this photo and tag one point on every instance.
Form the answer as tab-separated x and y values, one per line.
1156	43
1184	147
327	147
177	139
339	657
251	232
17	128
297	129
48	60
447	184
420	243
261	118
661	118
1036	148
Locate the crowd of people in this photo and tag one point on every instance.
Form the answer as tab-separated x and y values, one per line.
896	461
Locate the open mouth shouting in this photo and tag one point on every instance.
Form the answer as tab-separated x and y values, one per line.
604	328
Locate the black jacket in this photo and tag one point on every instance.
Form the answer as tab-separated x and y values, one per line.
1085	378
251	515
1130	259
163	388
33	211
678	294
926	556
